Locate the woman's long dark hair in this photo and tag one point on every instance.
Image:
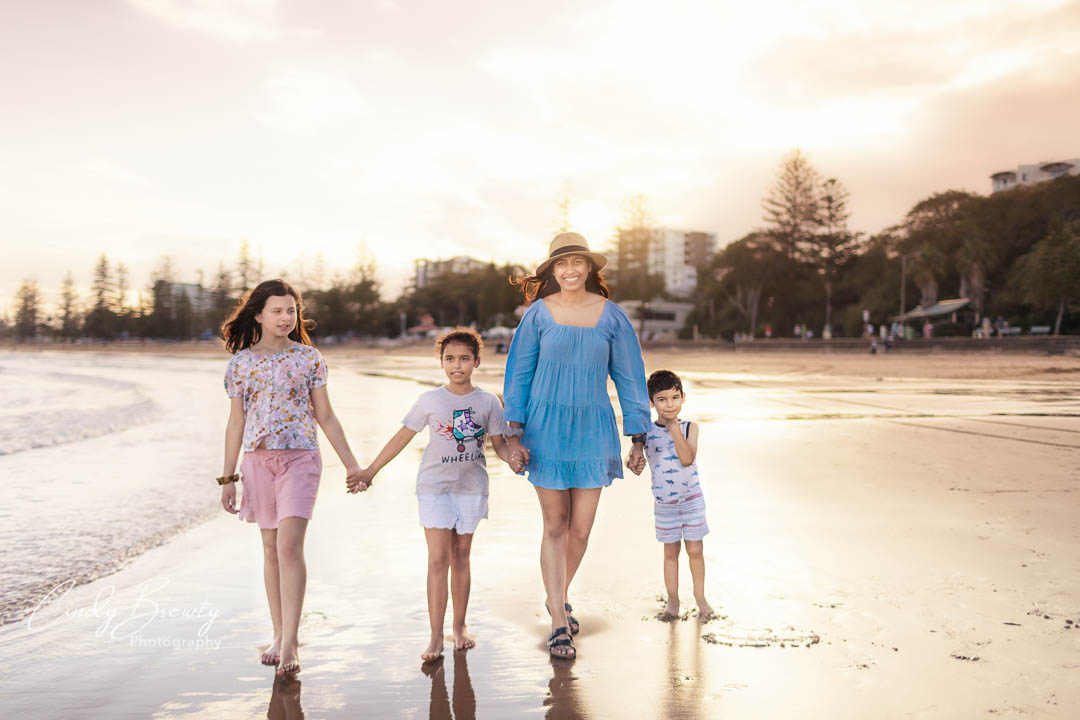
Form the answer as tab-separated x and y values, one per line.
241	331
543	284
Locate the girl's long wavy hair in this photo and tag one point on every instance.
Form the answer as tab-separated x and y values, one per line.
538	286
241	331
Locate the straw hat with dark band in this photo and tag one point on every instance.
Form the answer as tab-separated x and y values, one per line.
570	243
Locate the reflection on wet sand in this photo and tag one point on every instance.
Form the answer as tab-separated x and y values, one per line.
684	684
563	701
462	706
285	700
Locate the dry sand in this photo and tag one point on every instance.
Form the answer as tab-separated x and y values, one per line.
891	537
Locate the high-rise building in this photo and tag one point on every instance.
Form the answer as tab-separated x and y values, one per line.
428	270
677	255
197	296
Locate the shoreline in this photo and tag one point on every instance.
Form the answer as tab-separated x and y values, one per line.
685	357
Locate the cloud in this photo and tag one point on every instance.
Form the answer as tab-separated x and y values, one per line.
237	20
307	101
951	51
433	142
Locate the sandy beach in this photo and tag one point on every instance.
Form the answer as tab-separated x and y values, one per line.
891	537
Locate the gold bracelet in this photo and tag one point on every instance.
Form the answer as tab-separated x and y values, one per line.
225	480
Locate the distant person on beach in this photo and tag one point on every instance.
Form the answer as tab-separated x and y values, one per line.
679	505
277	383
570	339
452	483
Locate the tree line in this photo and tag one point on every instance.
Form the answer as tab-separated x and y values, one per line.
1015	254
347	305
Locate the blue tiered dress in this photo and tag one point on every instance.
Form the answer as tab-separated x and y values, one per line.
556	386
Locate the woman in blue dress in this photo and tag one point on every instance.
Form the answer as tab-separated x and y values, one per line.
570	339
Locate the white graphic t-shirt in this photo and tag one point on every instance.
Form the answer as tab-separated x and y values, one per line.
453	460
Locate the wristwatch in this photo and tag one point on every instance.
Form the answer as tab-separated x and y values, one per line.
638	438
514	432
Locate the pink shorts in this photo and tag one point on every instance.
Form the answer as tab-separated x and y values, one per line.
279	484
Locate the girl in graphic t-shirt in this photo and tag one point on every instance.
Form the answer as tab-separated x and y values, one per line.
452	484
277	384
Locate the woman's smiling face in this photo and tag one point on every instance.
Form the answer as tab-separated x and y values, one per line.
571	271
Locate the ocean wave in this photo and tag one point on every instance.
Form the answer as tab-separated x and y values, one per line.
43	409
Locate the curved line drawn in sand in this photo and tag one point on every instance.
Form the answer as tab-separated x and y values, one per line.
762	637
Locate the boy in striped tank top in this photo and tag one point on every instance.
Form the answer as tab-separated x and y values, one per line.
671	447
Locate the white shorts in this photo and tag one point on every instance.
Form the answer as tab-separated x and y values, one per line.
683	519
452	511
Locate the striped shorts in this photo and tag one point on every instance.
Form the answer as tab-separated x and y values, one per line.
683	519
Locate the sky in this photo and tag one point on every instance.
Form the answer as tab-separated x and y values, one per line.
330	128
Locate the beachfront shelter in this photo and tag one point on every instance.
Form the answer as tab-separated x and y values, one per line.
944	307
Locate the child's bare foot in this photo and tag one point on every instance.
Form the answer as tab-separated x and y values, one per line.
434	650
704	609
290	661
461	640
272	654
671	610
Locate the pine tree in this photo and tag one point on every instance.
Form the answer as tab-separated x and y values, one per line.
69	322
101	320
791	207
246	271
832	244
222	299
121	287
27	309
562	223
102	285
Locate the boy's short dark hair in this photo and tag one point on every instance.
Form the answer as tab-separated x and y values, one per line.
463	335
664	380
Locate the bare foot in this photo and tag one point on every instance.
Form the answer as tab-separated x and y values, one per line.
290	661
434	650
272	654
704	609
671	610
461	640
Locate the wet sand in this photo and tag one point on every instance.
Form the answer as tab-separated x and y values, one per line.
882	545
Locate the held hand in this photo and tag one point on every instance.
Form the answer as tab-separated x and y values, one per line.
228	497
635	461
358	480
519	455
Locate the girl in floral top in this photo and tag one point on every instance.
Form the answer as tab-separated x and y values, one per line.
277	384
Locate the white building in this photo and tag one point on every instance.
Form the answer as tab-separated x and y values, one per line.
677	254
428	270
198	297
663	319
1031	174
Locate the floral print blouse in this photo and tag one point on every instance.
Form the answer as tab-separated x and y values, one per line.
276	388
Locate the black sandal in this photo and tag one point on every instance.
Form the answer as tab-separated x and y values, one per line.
561	637
575	626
